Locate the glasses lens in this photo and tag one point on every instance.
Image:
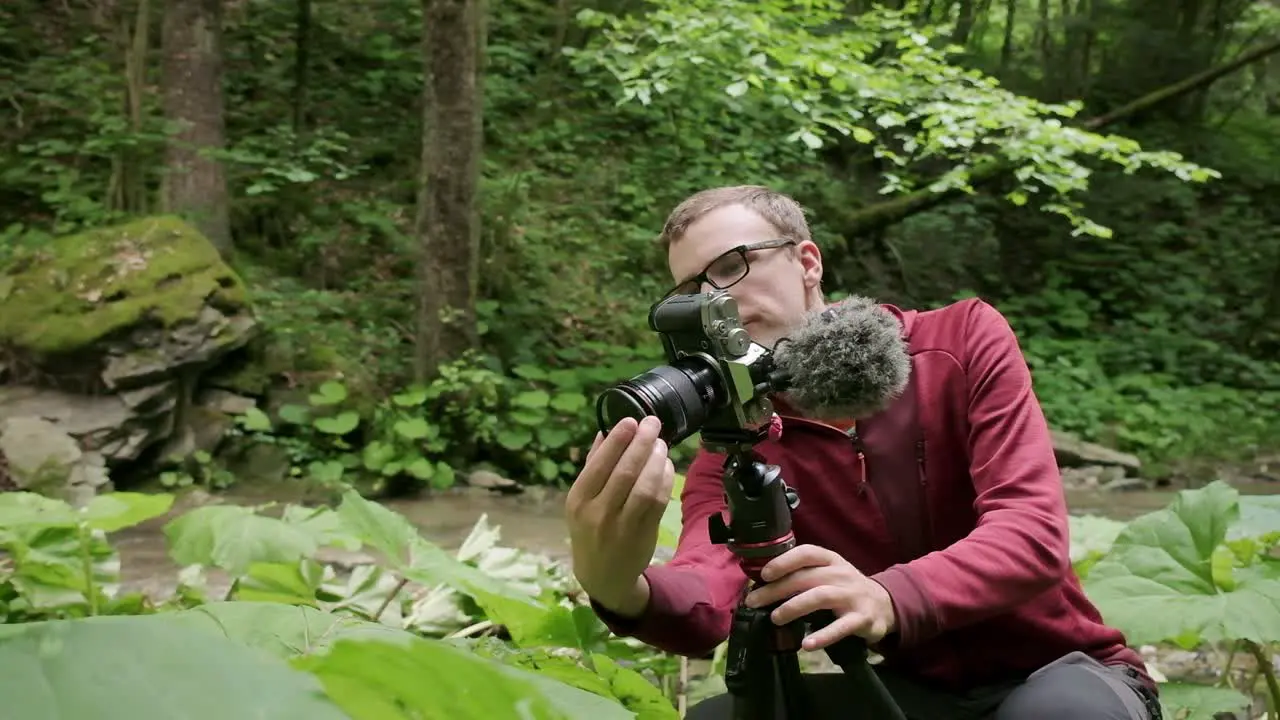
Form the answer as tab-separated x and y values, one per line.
727	269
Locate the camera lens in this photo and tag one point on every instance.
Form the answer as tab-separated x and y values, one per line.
681	395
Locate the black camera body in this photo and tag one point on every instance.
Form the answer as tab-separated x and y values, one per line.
717	380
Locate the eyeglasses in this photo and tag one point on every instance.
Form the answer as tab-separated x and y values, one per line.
727	269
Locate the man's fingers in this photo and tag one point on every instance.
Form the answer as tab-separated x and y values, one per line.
601	460
651	490
800	556
844	626
822	597
792	584
631	464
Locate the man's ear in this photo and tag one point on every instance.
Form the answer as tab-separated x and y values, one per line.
811	262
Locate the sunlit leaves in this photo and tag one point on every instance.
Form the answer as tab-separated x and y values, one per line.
879	79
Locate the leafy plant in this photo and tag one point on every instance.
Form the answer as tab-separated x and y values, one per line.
1199	571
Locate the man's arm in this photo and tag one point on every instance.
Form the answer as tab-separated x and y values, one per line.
1020	546
691	598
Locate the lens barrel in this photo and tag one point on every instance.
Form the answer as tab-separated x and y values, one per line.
681	395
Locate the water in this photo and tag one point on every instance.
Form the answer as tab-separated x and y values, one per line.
531	521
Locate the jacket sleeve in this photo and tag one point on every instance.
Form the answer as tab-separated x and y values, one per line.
1020	545
691	597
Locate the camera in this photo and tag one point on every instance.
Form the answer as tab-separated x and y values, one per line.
716	381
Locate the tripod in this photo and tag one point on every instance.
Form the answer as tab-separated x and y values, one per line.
762	656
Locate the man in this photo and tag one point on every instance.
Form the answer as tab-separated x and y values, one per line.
935	529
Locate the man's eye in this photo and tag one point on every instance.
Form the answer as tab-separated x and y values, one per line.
727	267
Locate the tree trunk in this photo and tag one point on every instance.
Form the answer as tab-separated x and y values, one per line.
195	186
447	222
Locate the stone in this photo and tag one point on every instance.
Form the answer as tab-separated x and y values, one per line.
490	480
225	401
102	423
105	335
149	289
44	459
1073	452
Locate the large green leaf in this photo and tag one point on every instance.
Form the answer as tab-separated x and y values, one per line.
1159	582
108	512
670	525
282	630
416	558
1189	701
374	680
233	537
146	668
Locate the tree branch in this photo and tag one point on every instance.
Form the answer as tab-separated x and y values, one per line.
894	211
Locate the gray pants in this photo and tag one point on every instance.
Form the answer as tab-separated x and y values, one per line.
1074	687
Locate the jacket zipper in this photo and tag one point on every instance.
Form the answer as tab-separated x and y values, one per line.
924	492
862	459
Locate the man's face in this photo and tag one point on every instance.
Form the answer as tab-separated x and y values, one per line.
782	283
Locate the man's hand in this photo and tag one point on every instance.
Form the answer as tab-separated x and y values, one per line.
817	579
613	511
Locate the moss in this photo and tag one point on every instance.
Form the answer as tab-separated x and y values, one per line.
85	287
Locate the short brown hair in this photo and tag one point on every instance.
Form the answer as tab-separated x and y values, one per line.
779	210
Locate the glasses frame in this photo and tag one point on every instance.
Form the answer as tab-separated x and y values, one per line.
742	251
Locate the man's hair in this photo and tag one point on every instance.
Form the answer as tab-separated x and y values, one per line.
777	209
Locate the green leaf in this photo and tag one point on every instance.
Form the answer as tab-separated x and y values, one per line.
147	668
553	437
514	438
386	681
737	89
329	393
232	537
412	428
532	399
108	512
339	424
412	397
377	454
1157	582
282	630
1193	702
295	414
413	556
114	511
421	468
670	525
528	417
255	420
569	402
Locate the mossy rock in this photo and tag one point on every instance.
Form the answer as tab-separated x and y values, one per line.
86	287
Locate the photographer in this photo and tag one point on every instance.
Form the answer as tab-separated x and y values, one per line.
935	528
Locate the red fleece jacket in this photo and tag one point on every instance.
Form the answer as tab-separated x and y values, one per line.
950	498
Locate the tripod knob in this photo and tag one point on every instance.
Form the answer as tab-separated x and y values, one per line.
718	531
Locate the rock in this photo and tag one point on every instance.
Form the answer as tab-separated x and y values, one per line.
227	402
492	481
1091	476
44	459
105	334
1072	452
107	424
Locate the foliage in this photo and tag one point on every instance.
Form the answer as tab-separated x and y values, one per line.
297	634
1159	339
802	61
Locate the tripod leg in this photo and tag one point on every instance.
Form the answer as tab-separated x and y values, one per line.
749	673
795	695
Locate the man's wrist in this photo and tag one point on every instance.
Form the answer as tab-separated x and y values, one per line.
629	605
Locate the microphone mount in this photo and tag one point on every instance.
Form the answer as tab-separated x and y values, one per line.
762	656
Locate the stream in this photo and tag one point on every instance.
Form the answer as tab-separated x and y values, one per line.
532	520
